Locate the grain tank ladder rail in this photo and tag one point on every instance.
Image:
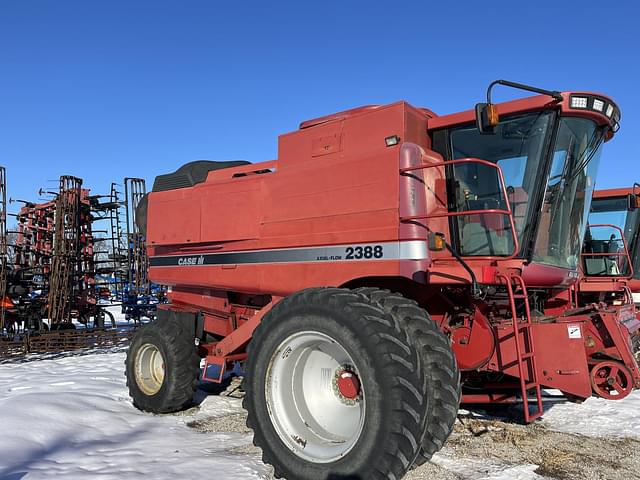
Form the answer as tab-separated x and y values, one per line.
495	211
525	355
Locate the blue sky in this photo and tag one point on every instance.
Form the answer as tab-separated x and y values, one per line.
107	89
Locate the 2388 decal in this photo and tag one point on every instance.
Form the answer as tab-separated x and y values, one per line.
358	252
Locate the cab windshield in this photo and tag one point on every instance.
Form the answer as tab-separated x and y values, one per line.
603	244
568	192
519	146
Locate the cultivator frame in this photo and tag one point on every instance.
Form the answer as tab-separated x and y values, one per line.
63	341
55	254
138	260
66	260
138	295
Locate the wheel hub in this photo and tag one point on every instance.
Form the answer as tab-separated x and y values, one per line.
611	380
315	398
149	369
346	385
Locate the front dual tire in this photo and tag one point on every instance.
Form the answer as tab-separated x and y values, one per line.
336	388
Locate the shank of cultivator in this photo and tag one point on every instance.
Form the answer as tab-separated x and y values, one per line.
65	264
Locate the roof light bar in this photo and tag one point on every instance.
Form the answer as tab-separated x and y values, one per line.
597	104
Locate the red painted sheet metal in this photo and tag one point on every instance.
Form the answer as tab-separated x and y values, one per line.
560	354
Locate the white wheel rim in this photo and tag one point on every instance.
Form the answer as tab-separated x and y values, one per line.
149	369
310	414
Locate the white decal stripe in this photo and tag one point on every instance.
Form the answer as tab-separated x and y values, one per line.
408	250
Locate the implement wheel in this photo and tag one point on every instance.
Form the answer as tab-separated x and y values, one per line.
334	387
441	368
100	317
162	367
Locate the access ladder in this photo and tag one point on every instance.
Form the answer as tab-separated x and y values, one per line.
525	351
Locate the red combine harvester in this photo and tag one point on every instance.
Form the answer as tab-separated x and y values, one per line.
611	253
389	264
611	257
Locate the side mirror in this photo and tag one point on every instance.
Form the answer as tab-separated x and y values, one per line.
633	201
487	118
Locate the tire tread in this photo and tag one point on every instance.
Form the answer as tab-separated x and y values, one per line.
405	380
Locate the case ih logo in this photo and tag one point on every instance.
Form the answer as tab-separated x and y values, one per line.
187	261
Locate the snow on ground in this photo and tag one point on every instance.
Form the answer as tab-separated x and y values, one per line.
597	417
71	418
485	469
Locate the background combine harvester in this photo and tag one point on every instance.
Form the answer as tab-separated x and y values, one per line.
611	257
70	258
611	252
388	259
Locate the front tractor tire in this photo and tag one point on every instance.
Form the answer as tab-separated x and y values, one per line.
162	367
335	388
441	368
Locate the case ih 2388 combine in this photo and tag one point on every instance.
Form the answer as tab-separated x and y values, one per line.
390	263
611	248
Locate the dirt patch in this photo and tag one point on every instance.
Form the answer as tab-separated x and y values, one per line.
558	455
561	456
235	423
431	471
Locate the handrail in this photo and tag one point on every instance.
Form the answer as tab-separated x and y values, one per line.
610	254
506	212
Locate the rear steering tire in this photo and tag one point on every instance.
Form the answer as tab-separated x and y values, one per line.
162	367
334	387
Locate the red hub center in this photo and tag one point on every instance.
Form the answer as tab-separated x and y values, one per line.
348	384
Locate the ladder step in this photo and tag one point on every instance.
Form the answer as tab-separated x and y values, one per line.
523	326
534	416
527	355
529	386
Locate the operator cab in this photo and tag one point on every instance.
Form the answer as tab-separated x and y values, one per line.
548	149
612	235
